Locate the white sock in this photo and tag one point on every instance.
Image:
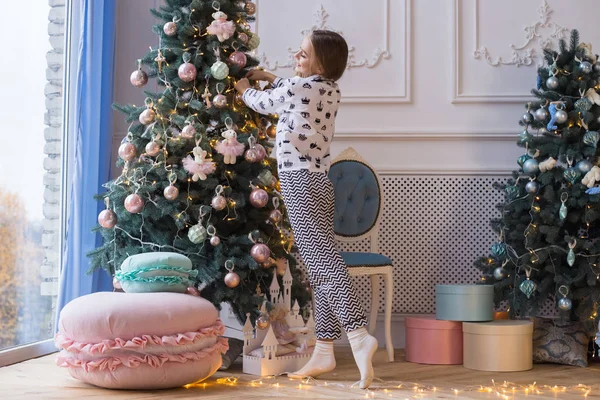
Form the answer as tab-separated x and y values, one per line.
321	361
363	347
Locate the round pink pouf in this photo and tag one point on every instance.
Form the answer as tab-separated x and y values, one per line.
140	340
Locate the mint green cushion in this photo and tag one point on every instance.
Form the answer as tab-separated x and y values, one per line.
156	272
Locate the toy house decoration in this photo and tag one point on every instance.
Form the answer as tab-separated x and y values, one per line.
286	344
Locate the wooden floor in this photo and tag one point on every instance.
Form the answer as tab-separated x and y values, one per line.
41	379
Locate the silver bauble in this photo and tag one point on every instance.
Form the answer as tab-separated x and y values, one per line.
561	116
565	304
147	116
532	187
531	167
138	78
585	67
597	67
499	273
218	203
170	28
584	166
215	240
527	118
541	114
552	83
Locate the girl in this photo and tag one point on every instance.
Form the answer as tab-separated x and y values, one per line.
307	106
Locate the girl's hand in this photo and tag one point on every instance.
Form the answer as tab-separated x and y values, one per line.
242	85
260	75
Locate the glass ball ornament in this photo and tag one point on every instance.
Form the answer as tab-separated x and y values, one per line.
584	166
107	219
218	202
187	72
552	83
127	151
565	304
527	118
152	149
147	116
260	252
197	234
171	192
262	152
532	187
499	273
597	67
243	37
232	279
170	28
561	116
585	67
238	59
219	70
117	284
541	114
250	8
259	198
134	203
188	131
272	131
251	155
138	78
531	167
215	240
263	321
220	101
275	216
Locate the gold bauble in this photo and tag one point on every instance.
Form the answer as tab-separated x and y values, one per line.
272	131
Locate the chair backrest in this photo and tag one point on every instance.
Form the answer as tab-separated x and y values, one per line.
358	198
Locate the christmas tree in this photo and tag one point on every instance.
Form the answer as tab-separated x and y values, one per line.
547	246
197	178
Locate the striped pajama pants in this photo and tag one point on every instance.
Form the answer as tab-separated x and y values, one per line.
309	200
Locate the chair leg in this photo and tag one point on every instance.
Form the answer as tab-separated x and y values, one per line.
389	293
374	303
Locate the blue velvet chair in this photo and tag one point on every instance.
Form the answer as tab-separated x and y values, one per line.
358	209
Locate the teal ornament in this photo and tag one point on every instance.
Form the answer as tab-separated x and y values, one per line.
524	137
527	287
571	257
562	212
254	41
583	104
512	192
572	175
197	234
591	138
531	167
219	70
521	160
499	250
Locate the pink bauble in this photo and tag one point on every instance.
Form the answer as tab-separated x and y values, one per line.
275	216
147	116
259	198
252	156
138	78
232	279
215	240
127	151
171	192
218	203
260	252
188	131
238	58
117	284
193	291
243	37
134	203
170	28
220	101
187	72
152	149
262	153
107	219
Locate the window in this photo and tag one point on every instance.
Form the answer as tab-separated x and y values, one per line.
31	180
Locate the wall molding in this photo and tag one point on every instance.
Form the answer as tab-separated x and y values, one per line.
379	53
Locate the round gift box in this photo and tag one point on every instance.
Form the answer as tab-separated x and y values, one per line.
464	302
430	341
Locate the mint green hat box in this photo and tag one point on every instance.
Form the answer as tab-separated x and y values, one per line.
464	302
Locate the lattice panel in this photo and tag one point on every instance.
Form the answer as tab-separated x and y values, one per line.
433	228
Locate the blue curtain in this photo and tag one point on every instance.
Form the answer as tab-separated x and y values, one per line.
89	163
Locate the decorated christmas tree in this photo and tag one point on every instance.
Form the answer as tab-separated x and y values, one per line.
548	245
197	178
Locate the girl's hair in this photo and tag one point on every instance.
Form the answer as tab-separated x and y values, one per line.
330	52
